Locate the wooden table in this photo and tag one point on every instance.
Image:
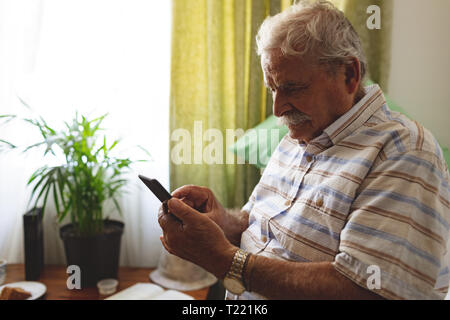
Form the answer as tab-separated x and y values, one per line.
55	278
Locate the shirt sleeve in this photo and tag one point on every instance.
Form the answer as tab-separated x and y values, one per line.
394	241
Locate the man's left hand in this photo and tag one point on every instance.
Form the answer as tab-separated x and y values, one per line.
195	237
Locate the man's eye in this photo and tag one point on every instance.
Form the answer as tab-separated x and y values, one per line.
292	89
287	90
295	89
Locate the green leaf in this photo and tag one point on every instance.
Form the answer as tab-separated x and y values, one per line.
60	180
146	152
55	198
36	174
44	204
65	211
113	145
104	146
44	125
99	149
99	120
23	102
32	121
33	146
10	145
45	188
8	117
116	204
36	187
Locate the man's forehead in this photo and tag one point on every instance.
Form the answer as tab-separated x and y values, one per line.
274	60
281	68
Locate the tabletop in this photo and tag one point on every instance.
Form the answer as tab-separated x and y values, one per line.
55	278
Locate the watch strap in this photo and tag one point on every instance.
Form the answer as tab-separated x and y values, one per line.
238	264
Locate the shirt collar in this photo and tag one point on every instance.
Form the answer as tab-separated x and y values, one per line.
357	115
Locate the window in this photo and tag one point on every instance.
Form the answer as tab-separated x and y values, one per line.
94	56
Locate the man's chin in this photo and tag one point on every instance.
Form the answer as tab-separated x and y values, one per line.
297	132
301	126
294	136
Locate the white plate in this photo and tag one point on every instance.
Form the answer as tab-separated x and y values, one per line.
36	289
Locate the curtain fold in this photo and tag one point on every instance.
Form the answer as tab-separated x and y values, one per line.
216	83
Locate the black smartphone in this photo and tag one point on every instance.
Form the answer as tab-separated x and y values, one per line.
158	190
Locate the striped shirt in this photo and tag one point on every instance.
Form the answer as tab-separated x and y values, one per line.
371	193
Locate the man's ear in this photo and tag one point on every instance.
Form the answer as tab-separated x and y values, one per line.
352	75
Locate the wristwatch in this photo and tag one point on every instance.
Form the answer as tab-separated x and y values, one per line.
233	280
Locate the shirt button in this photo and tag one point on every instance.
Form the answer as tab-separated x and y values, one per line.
288	203
319	202
309	158
264	238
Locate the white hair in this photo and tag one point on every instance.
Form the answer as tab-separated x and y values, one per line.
317	30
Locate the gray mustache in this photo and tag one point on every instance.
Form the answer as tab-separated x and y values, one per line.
293	117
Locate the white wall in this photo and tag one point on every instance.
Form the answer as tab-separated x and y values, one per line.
420	64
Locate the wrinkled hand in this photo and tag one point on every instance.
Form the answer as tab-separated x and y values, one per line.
192	235
203	200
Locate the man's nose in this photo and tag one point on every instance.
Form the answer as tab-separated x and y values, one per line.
280	104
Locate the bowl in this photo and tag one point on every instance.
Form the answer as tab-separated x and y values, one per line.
179	274
107	286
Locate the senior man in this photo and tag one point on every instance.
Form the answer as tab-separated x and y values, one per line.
354	203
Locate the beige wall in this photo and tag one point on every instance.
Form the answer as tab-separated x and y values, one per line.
420	64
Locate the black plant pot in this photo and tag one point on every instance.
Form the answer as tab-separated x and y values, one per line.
96	255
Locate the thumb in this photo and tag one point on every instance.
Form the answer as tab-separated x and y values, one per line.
182	211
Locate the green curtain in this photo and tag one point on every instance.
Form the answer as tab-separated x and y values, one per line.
377	42
216	82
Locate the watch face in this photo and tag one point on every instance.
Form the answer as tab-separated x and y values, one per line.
233	285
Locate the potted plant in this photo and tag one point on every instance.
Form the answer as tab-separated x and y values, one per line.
79	186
